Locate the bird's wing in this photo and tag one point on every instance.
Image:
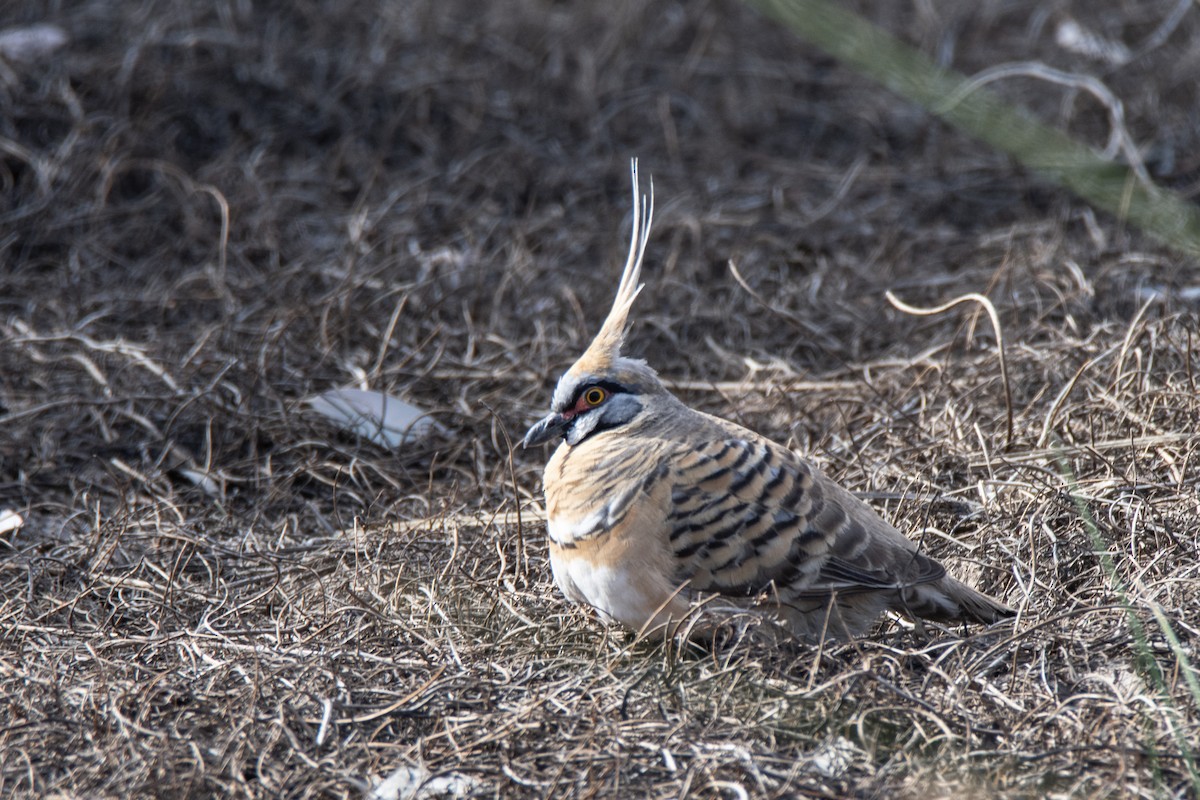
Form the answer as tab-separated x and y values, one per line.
747	516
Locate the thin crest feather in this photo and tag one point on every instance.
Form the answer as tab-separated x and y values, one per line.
606	347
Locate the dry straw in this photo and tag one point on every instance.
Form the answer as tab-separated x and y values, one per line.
210	212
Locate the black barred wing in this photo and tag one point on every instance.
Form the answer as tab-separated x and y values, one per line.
749	517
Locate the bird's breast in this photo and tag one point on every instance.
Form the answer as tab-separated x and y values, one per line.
606	520
591	488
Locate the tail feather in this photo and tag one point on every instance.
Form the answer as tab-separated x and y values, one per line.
950	600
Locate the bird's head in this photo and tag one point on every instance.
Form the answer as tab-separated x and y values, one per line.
604	390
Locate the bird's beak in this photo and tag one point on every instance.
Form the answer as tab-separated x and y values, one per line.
547	428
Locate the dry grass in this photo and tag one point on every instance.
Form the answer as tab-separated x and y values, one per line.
211	211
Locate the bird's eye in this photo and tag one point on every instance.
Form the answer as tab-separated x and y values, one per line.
594	396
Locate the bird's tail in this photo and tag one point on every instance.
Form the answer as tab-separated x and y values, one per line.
949	600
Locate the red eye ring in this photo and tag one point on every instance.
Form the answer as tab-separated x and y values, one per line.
595	396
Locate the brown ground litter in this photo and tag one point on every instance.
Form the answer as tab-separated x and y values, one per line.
209	212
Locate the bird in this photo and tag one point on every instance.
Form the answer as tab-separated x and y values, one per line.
657	512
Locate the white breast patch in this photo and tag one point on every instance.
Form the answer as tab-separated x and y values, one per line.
605	589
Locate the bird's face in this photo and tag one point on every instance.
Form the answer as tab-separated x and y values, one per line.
586	403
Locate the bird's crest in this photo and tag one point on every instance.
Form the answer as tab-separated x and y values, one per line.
605	349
